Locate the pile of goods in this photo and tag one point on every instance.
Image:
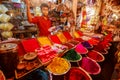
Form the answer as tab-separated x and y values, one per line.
72	56
46	53
5	26
59	66
76	73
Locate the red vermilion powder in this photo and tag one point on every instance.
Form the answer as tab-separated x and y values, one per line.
69	45
79	39
95	56
30	44
55	39
93	41
80	33
67	35
76	73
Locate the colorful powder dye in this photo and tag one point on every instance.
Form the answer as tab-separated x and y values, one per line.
91	66
104	44
55	39
59	66
108	37
62	38
100	49
95	56
81	49
74	42
30	45
87	45
80	33
93	41
69	45
47	57
45	53
67	35
76	35
79	39
72	55
76	73
44	41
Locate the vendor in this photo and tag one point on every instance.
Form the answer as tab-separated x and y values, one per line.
43	22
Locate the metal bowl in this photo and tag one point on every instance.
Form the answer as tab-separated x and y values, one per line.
59	66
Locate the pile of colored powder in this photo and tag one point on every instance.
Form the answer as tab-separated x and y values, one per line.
95	56
91	66
47	57
74	42
67	35
72	55
55	39
59	66
44	41
76	35
100	49
79	39
61	37
76	73
86	44
93	41
69	45
81	49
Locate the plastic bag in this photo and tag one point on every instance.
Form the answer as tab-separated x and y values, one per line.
3	9
6	26
7	34
4	18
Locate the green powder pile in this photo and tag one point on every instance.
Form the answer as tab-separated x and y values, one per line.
72	55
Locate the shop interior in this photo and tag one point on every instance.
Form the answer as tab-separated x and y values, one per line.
59	39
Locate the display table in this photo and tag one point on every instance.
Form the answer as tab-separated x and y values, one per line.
102	70
107	66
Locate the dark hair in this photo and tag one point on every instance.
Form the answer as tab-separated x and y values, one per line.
44	5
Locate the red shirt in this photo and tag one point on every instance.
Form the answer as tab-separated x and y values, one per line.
43	25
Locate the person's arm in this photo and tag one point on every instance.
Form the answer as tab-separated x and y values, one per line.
29	15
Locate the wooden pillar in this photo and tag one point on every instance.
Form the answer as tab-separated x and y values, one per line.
74	8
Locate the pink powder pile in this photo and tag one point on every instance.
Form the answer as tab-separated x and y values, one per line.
91	66
81	49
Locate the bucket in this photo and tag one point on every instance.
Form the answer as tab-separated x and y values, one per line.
8	58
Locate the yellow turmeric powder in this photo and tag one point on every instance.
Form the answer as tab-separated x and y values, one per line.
59	66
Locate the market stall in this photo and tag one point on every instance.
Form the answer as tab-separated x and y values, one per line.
72	48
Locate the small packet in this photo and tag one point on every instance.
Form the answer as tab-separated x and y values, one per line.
3	9
4	18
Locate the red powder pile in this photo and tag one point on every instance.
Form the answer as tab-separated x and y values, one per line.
95	56
76	73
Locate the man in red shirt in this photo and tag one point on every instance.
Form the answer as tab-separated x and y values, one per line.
43	22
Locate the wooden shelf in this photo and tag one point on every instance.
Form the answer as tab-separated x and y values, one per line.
23	31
